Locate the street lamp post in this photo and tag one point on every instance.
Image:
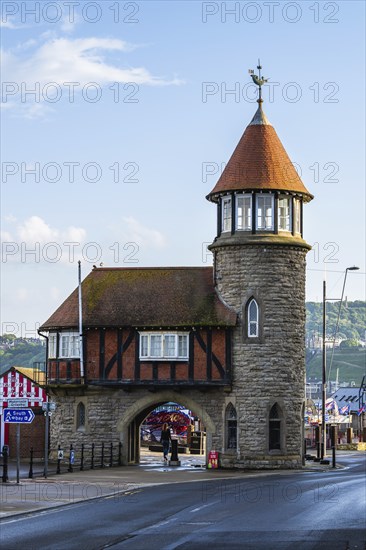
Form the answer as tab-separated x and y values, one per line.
324	357
323	447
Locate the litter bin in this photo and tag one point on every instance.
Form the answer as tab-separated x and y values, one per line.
196	445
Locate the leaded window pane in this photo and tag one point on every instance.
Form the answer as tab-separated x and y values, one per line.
244	212
169	346
52	345
155	345
253	316
183	346
297	207
144	345
284	214
65	345
264	212
81	415
226	214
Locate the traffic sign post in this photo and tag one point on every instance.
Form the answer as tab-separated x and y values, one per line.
48	408
18	417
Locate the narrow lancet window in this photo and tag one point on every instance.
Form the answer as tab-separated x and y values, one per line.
231	427
253	319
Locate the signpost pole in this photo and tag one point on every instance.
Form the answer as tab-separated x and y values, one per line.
46	442
18	451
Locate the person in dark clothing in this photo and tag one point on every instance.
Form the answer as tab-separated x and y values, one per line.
165	440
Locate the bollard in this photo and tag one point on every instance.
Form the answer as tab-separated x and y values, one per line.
174	461
82	458
5	463
102	457
30	475
111	456
92	457
58	469
119	454
71	459
333	443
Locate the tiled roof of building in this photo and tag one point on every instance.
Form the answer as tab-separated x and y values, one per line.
260	162
145	297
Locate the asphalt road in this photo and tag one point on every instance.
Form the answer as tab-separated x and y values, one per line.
302	511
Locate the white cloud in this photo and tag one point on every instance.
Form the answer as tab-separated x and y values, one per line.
5	237
77	62
36	230
141	235
22	294
80	60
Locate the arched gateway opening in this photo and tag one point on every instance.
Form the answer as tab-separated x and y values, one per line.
130	425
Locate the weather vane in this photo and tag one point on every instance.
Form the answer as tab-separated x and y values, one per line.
258	80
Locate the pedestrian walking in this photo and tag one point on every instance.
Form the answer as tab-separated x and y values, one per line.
165	439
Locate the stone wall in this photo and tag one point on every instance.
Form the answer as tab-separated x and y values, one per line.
271	368
266	370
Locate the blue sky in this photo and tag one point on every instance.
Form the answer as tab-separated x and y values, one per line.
111	158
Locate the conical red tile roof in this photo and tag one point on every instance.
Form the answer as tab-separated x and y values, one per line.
260	162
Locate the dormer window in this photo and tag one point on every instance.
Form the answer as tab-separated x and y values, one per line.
265	212
284	214
244	212
226	214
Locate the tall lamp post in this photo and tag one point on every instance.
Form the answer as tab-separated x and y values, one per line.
324	357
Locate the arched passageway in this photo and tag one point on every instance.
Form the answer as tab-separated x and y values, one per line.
130	424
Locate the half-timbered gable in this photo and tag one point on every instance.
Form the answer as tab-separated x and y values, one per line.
143	326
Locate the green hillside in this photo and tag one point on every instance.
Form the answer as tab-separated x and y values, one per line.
20	352
351	365
352	321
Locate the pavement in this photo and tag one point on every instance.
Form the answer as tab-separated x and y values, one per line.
32	495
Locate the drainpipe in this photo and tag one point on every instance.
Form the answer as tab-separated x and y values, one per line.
81	349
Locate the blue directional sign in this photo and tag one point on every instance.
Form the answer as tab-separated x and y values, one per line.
18	416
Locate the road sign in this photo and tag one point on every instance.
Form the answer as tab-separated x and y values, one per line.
48	406
18	402
18	416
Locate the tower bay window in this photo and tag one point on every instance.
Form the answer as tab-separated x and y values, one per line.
226	214
244	212
297	214
284	214
265	212
155	346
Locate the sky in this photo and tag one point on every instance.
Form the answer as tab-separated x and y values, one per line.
118	117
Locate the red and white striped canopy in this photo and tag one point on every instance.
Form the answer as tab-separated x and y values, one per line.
14	384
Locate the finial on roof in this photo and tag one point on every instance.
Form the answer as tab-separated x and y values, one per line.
258	80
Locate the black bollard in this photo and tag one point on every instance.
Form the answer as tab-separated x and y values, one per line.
111	456
92	457
71	459
174	460
5	463
102	457
119	454
82	458
58	470
30	475
333	443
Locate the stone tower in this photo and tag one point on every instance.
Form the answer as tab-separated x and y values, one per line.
259	269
